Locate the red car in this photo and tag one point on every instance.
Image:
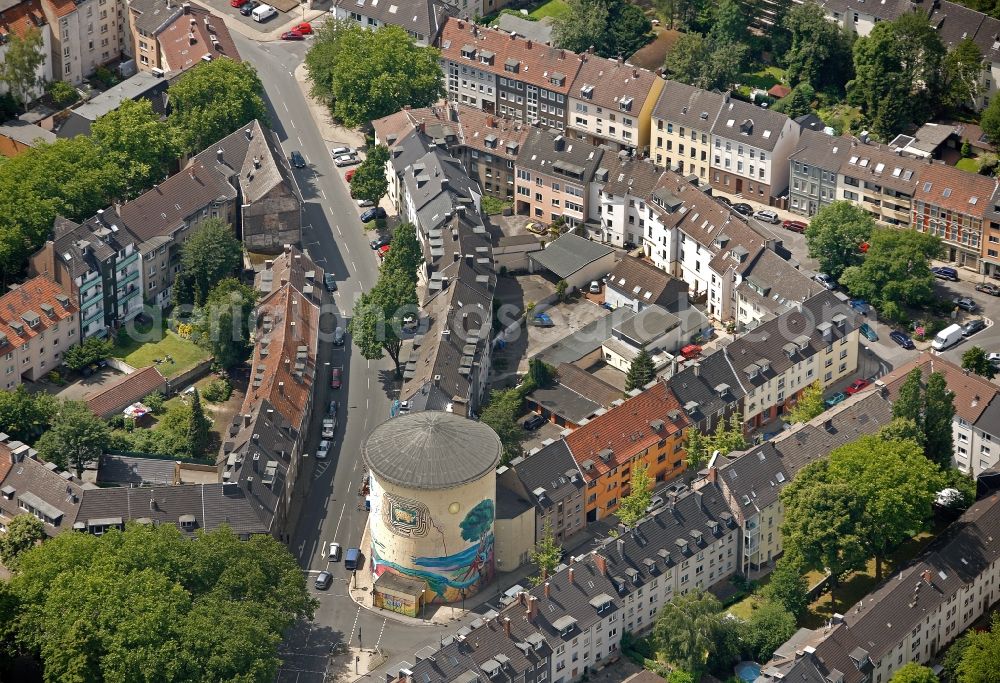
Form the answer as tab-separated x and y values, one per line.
335	379
305	28
382	251
237	3
350	175
857	386
794	226
290	35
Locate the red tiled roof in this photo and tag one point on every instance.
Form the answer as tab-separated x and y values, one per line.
477	125
125	391
21	17
972	392
625	430
33	297
537	62
954	189
613	81
60	8
180	52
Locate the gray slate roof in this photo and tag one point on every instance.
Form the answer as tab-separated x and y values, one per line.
123	470
421	17
431	450
569	253
152	16
142	85
696	384
539	31
821	150
26	133
688	106
552	468
743	122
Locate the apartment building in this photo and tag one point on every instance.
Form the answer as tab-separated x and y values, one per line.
813	171
96	263
488	147
682	122
636	284
611	103
766	286
502	73
645	430
167	35
86	34
750	148
38	323
975	425
553	177
751	482
880	181
618	194
710	391
408	135
912	616
991	237
953	205
422	19
143	85
18	19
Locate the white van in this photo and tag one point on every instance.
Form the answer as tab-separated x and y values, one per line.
263	13
947	337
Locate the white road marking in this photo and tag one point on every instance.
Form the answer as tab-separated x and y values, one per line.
356	616
285	106
299	139
340	519
322	193
381	631
292	122
354	265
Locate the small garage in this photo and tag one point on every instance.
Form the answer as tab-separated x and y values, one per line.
574	259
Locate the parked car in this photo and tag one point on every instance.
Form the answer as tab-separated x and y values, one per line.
542	320
262	13
861	306
237	3
988	288
305	28
724	200
292	35
966	304
868	332
902	339
248	8
345	160
330	282
534	422
691	351
372	214
349	176
945	273
654	503
334	554
338	336
766	216
825	280
297	160
335	378
794	226
353	559
331	410
839	397
379	242
595	287
323	450
329	428
323	580
364	203
337	151
856	386
994	358
743	209
973	326
947	337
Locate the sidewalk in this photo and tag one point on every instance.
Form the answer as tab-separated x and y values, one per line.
293	19
329	130
350	664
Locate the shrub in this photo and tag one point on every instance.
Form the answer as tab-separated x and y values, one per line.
217	391
62	93
55	378
154	402
105	76
184	330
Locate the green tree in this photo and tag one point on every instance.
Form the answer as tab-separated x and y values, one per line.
540	373
76	438
369	181
835	234
63	94
989	120
798	102
378	316
614	28
208	608
365	75
546	555
501	415
809	405
909	403
896	270
90	351
952	659
222	324
787	587
913	673
975	360
730	23
963	69
939	411
819	50
902	428
199	428
561	288
23	415
19	66
980	654
687	630
633	507
769	625
405	257
209	256
686	58
154	402
640	371
213	99
729	437
138	142
23	533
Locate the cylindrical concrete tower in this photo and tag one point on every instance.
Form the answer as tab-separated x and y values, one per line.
433	499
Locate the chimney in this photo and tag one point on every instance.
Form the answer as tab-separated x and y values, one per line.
187	8
713	474
506	626
248	133
218	155
926	576
547	588
570	573
621	547
696	368
100	216
281	388
191	172
621	61
532	610
700	499
602	564
635	73
527	44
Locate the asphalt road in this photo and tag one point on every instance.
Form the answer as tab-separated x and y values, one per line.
330	511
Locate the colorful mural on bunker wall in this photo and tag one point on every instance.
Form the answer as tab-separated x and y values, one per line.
461	574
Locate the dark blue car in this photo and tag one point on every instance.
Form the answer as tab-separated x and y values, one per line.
902	339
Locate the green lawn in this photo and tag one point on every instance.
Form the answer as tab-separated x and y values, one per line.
552	8
139	354
971	165
764	78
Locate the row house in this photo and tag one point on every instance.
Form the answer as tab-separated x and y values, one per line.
167	35
488	146
681	129
19	19
502	73
409	134
976	422
880	181
86	34
813	170
912	617
98	264
421	19
554	176
38	324
617	211
991	238
645	430
750	148
611	103
953	205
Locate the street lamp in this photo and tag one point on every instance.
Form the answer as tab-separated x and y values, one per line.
423	604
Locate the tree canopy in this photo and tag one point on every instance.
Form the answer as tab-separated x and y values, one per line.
211	607
199	427
913	673
369	181
547	554
24	53
820	50
213	99
23	415
222	324
209	256
614	28
787	587
976	360
632	508
364	75
377	324
139	143
92	349
640	371
75	438
930	410
23	532
687	630
405	256
769	626
835	234
501	415
980	654
809	404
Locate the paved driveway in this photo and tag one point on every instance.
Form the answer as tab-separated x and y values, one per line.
79	390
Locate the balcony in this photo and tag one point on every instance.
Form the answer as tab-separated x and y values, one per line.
99	315
96	298
131	258
131	277
128	295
